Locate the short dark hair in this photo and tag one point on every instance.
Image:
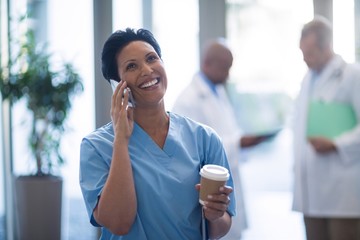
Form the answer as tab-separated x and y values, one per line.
116	42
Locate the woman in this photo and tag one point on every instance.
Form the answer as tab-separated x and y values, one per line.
138	173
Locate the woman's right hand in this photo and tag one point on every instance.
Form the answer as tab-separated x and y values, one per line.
121	114
117	207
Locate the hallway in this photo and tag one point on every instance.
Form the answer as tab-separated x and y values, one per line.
267	182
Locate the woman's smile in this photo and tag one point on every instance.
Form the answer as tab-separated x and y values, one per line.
149	83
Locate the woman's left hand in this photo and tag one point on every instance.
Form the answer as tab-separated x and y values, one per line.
216	204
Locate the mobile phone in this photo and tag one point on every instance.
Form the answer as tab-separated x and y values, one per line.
131	102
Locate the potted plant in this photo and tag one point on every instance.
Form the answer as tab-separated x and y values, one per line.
47	93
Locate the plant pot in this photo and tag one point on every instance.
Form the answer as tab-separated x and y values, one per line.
38	202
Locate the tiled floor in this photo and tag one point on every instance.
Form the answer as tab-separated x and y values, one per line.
270	217
267	182
75	224
78	226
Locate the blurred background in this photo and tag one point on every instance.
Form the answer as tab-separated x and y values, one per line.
264	80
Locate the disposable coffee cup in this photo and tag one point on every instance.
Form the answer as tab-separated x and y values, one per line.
212	178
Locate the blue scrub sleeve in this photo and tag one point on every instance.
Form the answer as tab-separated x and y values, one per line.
93	174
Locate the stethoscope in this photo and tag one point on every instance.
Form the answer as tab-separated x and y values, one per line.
337	75
338	72
203	225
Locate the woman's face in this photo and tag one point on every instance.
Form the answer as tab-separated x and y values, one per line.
142	69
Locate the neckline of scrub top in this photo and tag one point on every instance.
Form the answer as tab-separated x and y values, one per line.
170	140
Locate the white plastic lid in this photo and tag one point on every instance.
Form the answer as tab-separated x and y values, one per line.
214	172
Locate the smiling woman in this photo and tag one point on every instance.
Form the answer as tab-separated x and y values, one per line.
144	75
166	171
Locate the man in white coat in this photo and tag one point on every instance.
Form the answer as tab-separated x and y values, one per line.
205	100
327	169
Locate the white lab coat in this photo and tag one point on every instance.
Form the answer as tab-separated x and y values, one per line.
198	102
328	185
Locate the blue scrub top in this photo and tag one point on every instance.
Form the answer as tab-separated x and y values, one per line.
168	206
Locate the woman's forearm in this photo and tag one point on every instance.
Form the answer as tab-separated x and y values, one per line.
116	209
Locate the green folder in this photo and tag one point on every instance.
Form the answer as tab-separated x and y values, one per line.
330	119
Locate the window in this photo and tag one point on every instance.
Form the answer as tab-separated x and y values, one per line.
70	33
175	26
265	77
344	31
70	37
